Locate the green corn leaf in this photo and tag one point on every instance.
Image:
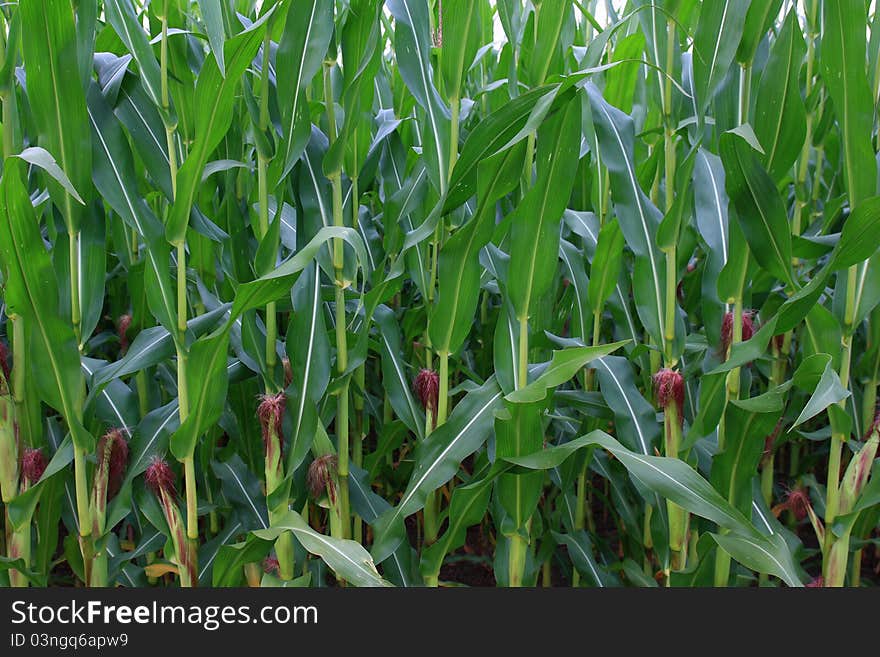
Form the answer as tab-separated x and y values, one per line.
121	15
638	217
214	99
466	508
459	270
212	14
461	39
397	377
780	115
710	210
437	460
759	18
582	310
349	560
534	235
307	32
634	416
858	239
564	364
759	207
308	349
498	131
518	432
678	482
606	264
713	55
113	175
50	338
827	391
57	99
413	47
842	63
42	158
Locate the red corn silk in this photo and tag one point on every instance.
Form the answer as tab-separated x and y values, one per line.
321	476
113	447
33	465
159	477
748	329
779	342
427	388
668	389
271	565
288	371
4	360
271	414
122	327
875	424
770	440
798	502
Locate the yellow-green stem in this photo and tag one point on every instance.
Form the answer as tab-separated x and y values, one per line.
669	324
839	437
522	367
443	393
342	438
722	558
181	289
678	517
361	417
73	256
263	203
435	256
835	454
517	555
192	513
669	162
455	109
82	494
519	545
82	511
855	577
736	337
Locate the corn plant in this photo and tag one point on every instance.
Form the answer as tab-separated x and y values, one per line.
439	293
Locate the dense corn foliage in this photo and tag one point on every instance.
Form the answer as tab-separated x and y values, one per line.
439	292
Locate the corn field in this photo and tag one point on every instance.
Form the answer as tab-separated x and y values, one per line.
508	293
